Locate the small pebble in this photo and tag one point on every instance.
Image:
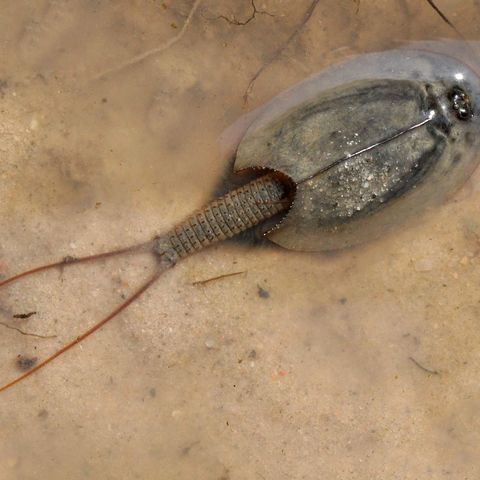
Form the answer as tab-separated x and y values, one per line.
26	363
262	293
210	343
33	123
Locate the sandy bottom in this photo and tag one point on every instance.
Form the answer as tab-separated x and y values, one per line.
362	364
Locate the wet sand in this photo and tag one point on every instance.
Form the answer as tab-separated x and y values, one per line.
359	364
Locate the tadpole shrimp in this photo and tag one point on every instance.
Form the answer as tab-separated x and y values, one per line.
373	142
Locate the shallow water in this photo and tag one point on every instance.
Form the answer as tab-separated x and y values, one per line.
361	364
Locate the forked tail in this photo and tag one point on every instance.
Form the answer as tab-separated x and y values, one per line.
223	218
76	260
87	333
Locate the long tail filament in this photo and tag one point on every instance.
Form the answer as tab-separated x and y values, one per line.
94	328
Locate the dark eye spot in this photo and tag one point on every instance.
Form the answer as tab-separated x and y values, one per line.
460	102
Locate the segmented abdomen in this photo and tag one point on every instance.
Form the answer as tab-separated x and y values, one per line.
229	215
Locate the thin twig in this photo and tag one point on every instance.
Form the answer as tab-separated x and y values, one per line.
234	21
27	334
24	315
277	53
441	14
153	51
421	367
208	280
445	18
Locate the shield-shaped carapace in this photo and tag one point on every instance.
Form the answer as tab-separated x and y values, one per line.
379	139
373	141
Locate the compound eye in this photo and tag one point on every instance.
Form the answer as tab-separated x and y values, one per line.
460	102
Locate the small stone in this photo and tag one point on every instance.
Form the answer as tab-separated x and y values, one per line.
210	343
26	363
262	293
33	123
